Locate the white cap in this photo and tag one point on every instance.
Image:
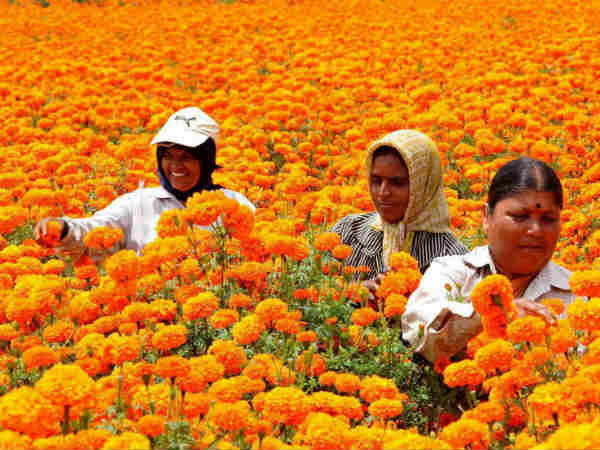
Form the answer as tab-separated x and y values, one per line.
189	127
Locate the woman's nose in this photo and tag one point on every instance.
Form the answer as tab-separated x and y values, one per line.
384	188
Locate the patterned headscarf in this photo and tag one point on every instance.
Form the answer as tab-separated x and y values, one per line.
427	208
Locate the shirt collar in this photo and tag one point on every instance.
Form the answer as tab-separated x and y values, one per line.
551	275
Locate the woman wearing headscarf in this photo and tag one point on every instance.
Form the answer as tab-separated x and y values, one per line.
186	160
405	180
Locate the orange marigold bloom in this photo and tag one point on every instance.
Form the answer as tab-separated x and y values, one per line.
66	385
210	367
403	283
196	404
240	301
364	316
229	354
341	251
375	388
325	242
387	408
128	440
53	231
491	294
545	400
556	305
59	331
54	266
395	305
463	373
562	338
239	223
102	238
585	283
205	207
325	432
223	318
228	390
288	325
311	364
151	425
8	332
400	261
24	410
170	337
328	379
171	366
248	330
486	412
466	433
496	355
201	306
192	381
39	356
527	329
346	383
306	336
270	310
122	266
171	223
287	405
230	416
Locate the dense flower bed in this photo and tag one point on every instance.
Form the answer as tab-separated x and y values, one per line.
247	337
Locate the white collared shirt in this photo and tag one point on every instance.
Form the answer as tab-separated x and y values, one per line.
136	213
431	303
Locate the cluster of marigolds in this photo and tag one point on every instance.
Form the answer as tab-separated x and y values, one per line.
209	331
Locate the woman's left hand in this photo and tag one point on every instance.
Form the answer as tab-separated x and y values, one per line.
526	306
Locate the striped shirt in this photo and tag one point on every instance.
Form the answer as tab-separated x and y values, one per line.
367	244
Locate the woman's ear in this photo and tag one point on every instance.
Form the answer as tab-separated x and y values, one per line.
486	216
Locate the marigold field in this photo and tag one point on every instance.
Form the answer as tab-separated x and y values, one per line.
246	337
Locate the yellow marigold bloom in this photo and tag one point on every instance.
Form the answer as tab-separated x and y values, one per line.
527	329
223	318
375	388
400	261
201	306
248	330
229	354
286	405
102	238
151	425
396	439
170	337
545	400
230	417
122	266
463	373
11	440
556	305
163	310
466	433
8	332
325	242
66	385
127	441
324	431
585	283
364	316
39	356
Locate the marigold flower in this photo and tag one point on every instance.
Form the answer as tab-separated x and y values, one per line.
585	283
306	336
463	373
341	251
66	385
527	329
102	238
122	266
230	416
325	242
196	404
402	283
151	425
311	364
248	330
53	233
400	261
170	337
209	366
240	301
364	316
496	355
395	304
39	356
466	433
375	388
60	331
127	440
287	405
270	310
492	293
201	306
223	318
556	305
228	354
24	410
288	325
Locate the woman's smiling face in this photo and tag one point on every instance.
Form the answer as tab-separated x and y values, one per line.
182	168
522	231
389	186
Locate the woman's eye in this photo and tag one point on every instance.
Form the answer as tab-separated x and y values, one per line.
375	180
519	217
550	219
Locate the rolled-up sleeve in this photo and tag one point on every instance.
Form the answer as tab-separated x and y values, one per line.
435	323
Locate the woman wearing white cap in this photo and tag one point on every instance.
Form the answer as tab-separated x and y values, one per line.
186	159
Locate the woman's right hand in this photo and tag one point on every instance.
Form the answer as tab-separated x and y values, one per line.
372	285
526	306
47	233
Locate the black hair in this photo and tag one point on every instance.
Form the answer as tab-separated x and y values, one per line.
387	150
206	153
521	175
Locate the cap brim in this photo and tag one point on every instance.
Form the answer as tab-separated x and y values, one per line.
191	139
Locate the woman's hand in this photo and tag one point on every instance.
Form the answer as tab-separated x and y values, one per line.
49	231
372	285
526	306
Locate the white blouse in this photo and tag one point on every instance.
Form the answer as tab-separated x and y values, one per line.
136	213
430	304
